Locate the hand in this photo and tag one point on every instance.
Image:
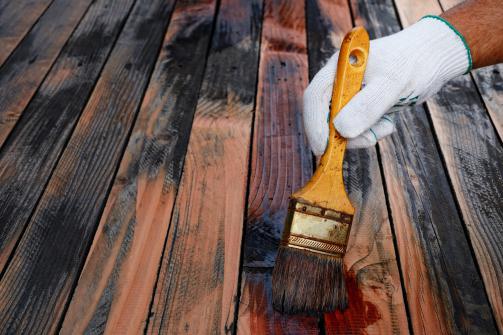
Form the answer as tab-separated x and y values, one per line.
403	69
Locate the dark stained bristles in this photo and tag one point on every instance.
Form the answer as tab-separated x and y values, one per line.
304	282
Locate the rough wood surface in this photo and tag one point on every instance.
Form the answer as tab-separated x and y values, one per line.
474	158
115	287
281	162
444	290
489	81
35	144
473	155
24	70
376	303
39	279
16	19
198	286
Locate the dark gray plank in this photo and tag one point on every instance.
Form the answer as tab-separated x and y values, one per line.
35	144
25	69
16	19
40	277
444	289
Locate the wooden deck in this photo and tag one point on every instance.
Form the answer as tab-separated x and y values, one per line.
148	149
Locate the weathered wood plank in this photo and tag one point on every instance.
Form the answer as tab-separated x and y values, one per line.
16	19
281	163
376	303
464	130
25	69
435	255
115	287
489	81
32	150
474	158
198	282
39	279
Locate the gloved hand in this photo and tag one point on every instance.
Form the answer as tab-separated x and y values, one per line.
403	69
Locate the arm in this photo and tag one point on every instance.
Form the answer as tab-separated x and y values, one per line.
481	23
405	69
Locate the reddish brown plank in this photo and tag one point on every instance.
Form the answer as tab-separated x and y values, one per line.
281	163
16	19
32	150
376	303
45	266
27	66
198	283
115	287
435	255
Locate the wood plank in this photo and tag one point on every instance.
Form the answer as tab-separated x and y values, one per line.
281	162
474	158
464	130
435	255
376	303
198	283
39	279
115	287
35	144
16	19
25	69
489	81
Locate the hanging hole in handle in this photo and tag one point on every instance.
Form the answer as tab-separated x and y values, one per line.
356	57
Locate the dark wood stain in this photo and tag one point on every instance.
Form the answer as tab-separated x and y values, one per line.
198	282
148	177
436	255
38	280
16	19
87	85
33	148
24	70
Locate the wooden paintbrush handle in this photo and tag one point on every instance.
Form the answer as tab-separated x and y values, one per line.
326	187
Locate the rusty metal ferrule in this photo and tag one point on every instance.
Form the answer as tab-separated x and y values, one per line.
316	229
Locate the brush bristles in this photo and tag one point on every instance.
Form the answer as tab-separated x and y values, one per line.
307	283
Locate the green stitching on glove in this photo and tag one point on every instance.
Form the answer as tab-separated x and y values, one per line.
468	51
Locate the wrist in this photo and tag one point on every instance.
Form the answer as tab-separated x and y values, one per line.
439	43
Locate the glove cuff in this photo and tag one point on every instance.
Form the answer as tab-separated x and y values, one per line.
462	55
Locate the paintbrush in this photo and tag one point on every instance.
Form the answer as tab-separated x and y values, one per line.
309	274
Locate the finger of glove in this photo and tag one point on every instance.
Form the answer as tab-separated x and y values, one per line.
316	106
366	108
384	127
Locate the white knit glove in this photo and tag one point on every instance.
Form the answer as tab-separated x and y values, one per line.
403	69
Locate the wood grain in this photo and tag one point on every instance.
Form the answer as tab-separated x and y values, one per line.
281	163
115	287
16	19
464	130
376	303
198	282
25	69
489	81
39	279
474	158
35	144
444	290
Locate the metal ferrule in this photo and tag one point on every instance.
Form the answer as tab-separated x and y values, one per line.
316	229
